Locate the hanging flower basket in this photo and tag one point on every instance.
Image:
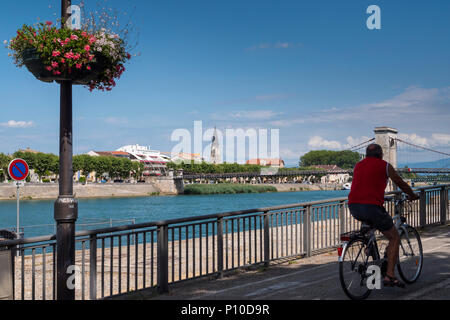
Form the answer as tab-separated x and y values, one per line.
32	60
93	59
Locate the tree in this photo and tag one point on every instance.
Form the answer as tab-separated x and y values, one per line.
125	168
137	168
343	159
4	162
102	165
87	164
29	157
42	164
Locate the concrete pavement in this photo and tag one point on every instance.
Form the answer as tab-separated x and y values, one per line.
315	278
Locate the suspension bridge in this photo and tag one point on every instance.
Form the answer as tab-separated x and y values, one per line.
418	162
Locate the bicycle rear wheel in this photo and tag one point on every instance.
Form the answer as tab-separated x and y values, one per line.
410	260
353	270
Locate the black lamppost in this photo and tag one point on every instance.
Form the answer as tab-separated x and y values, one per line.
66	206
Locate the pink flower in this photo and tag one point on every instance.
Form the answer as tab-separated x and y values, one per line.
63	60
49	68
87	47
54	64
49	23
91	56
92	40
88	67
77	56
78	65
84	34
69	55
73	37
56	53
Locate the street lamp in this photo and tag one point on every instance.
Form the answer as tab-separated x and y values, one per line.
66	206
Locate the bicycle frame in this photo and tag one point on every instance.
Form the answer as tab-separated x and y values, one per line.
372	245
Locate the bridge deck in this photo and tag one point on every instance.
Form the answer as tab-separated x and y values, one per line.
316	278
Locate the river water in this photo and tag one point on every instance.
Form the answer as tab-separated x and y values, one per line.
96	213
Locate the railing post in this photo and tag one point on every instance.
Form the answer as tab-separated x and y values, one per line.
444	205
342	218
219	247
93	268
163	259
266	239
422	209
307	232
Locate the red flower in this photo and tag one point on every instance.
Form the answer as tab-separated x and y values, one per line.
49	23
87	47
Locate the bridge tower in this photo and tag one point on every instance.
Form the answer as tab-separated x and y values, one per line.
386	138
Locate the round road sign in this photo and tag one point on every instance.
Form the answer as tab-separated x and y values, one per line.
18	169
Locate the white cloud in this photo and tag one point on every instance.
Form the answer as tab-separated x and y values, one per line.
416	103
413	138
436	139
318	142
17	124
351	142
275	45
116	120
441	139
255	114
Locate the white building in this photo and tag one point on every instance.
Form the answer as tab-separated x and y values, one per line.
155	162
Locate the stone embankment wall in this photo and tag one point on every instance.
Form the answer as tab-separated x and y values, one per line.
50	191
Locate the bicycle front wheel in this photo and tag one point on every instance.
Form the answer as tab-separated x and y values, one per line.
410	255
353	270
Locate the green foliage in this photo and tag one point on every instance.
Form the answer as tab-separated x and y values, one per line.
66	52
4	162
45	164
343	159
409	175
82	180
228	188
214	168
42	163
102	165
137	168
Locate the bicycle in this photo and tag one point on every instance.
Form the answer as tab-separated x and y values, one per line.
359	251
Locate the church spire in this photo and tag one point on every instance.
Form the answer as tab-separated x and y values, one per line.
215	149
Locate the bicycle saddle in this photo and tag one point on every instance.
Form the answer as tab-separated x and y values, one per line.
365	228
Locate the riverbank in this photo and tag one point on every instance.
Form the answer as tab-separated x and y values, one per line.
47	191
226	188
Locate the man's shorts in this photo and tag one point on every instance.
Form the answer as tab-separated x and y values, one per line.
373	215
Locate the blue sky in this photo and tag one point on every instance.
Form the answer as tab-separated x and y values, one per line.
311	69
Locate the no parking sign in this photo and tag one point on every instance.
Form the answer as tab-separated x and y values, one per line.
18	169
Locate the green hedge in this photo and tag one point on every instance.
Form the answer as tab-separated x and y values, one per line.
227	188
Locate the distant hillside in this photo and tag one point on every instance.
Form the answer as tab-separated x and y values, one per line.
445	163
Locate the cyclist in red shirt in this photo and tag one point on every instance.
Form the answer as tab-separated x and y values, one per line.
366	200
